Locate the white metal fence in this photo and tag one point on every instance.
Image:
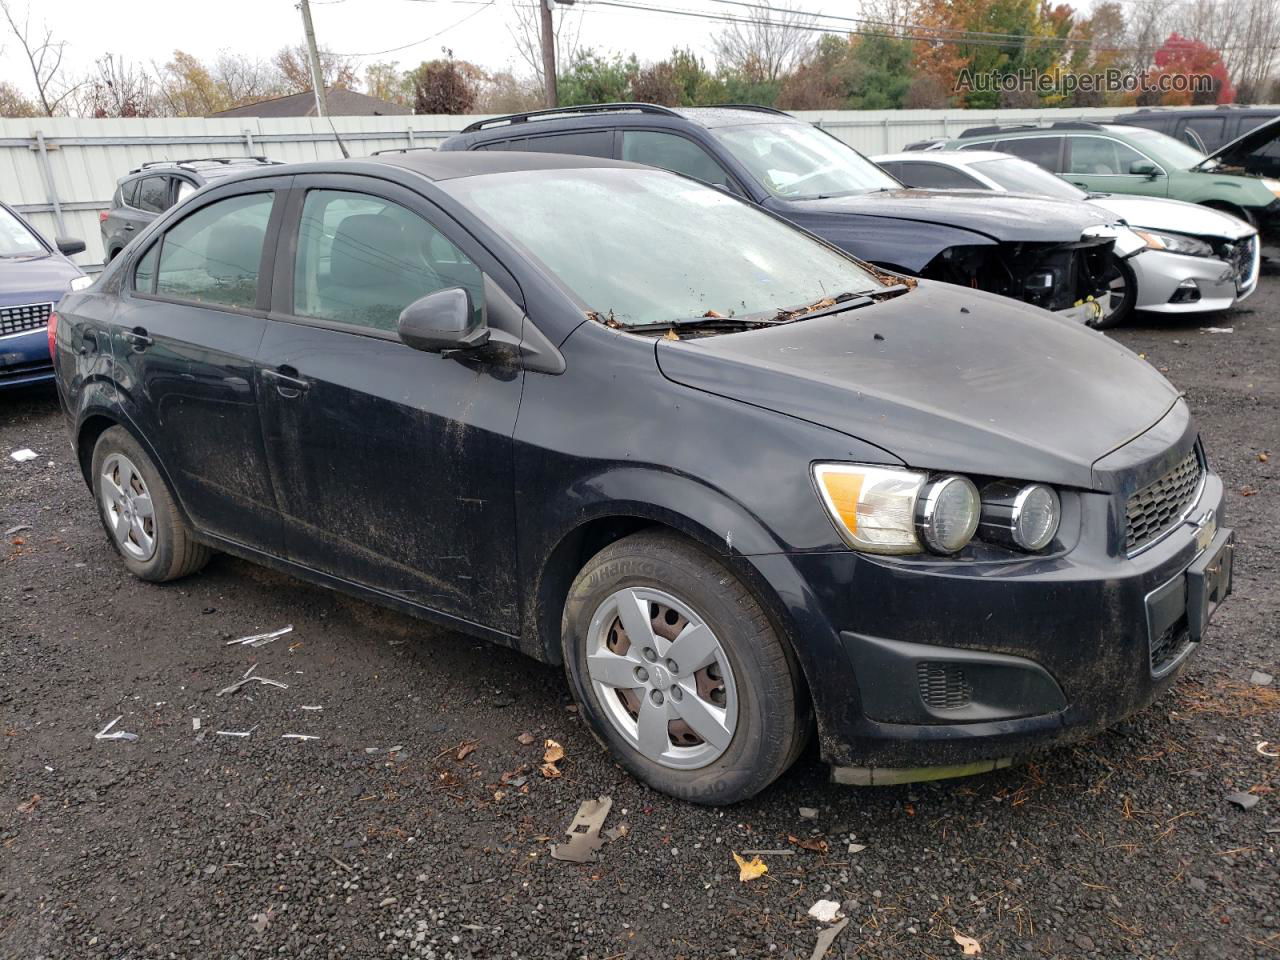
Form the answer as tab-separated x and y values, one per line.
61	172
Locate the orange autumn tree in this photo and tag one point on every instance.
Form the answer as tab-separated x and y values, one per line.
1026	35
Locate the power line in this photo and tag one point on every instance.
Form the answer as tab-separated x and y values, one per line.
457	23
909	31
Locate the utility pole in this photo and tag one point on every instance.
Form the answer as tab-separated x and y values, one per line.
548	52
313	55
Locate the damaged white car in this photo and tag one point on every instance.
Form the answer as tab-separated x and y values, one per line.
1197	259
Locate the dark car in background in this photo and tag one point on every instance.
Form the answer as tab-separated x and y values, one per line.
1054	254
151	189
34	274
739	483
1206	129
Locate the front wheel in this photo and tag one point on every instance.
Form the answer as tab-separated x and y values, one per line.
679	671
1119	300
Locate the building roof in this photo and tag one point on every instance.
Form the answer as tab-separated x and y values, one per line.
340	103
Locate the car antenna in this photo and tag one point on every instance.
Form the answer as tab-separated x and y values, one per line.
341	146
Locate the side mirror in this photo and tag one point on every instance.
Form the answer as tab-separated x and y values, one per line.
69	246
1143	168
442	322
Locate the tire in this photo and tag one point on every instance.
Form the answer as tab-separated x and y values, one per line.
744	672
1123	309
155	547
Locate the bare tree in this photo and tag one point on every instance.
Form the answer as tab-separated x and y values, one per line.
118	88
295	69
527	34
1247	32
765	44
44	54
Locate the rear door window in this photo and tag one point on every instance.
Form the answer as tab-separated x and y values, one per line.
1210	131
1042	151
673	152
214	255
589	143
153	194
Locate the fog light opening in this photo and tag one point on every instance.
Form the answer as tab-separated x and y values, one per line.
1188	292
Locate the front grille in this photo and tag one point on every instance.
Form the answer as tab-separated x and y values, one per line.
943	685
1167	647
1155	508
20	319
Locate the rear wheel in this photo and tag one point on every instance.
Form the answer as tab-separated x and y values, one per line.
1118	302
138	512
680	672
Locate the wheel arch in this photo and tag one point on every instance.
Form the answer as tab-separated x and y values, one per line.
613	522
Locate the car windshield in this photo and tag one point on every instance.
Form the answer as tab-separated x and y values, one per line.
1022	176
16	239
648	247
796	161
1164	148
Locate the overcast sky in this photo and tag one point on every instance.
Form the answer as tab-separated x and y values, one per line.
150	30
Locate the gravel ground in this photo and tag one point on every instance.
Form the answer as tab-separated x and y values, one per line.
192	844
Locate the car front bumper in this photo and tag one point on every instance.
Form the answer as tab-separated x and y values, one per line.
24	358
1161	274
946	668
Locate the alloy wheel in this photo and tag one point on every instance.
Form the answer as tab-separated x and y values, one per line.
127	506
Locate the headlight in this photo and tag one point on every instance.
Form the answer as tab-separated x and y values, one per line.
1175	243
872	507
1025	517
947	514
80	283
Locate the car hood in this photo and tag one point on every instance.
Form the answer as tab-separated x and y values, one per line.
1232	154
36	279
1157	213
943	378
1002	218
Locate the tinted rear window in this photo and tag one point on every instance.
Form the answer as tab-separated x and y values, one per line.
592	143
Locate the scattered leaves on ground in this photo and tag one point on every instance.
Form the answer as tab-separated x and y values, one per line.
750	869
968	945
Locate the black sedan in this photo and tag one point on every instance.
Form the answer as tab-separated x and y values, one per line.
740	484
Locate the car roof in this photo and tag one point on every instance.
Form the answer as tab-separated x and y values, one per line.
1059	129
453	165
534	122
955	158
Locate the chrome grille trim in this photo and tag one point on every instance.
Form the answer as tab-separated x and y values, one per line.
23	318
1161	505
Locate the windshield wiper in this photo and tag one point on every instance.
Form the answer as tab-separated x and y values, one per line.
847	300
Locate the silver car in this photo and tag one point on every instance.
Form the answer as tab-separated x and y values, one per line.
1197	259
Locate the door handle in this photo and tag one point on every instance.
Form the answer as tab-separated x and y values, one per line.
138	338
288	385
128	227
1082	186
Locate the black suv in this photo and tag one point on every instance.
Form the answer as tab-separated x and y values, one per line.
1055	254
1206	129
151	189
